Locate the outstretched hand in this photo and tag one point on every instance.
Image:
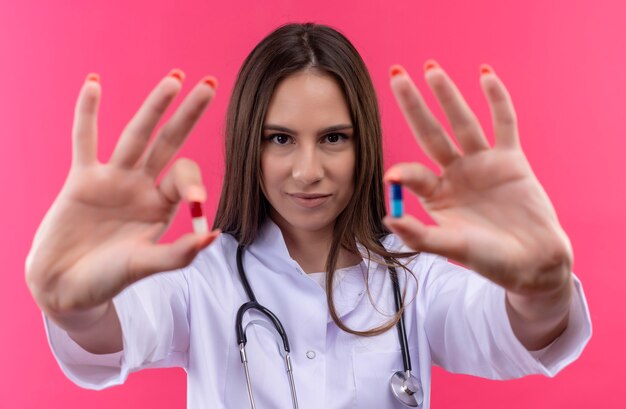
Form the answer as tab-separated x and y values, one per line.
491	212
101	233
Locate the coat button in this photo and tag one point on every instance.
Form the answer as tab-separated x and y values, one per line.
310	354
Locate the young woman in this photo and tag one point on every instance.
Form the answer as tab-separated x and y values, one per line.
301	231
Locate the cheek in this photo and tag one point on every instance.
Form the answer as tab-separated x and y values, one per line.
347	166
343	169
271	172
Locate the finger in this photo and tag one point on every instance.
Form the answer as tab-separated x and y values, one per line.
172	135
431	239
136	135
415	176
427	130
502	110
85	127
147	260
465	125
183	182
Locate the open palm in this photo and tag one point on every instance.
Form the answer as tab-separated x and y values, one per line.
491	212
101	233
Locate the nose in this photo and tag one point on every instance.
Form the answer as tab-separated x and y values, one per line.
307	165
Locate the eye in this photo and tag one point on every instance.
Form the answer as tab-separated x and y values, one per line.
279	138
335	138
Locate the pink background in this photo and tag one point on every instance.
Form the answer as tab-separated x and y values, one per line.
563	62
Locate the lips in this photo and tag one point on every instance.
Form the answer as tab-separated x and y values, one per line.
309	200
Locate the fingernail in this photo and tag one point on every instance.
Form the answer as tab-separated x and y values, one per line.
485	69
392	176
430	64
196	194
210	81
208	239
396	70
397	228
178	74
93	77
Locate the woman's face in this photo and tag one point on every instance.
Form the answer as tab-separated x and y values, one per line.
307	154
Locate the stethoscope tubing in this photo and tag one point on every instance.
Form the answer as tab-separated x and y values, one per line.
404	344
253	304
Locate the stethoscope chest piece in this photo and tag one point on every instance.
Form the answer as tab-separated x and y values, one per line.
406	389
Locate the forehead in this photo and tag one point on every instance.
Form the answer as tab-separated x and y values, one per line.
308	98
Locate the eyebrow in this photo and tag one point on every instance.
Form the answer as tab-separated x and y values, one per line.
334	128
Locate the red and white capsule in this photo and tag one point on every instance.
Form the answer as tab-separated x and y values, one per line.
200	224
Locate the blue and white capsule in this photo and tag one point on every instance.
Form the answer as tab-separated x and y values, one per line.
396	201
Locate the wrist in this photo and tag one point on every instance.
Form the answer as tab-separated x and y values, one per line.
548	306
76	322
537	320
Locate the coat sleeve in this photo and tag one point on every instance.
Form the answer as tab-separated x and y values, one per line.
153	313
468	329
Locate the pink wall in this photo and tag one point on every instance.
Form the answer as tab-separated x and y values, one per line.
564	64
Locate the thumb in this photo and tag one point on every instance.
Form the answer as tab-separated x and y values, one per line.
155	258
431	239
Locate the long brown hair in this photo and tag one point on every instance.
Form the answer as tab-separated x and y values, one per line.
243	207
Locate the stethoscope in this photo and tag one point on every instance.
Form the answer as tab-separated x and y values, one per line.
404	385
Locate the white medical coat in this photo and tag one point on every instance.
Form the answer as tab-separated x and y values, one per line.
186	318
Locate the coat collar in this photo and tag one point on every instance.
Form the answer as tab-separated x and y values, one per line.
269	247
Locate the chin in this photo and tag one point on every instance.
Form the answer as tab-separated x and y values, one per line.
303	222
